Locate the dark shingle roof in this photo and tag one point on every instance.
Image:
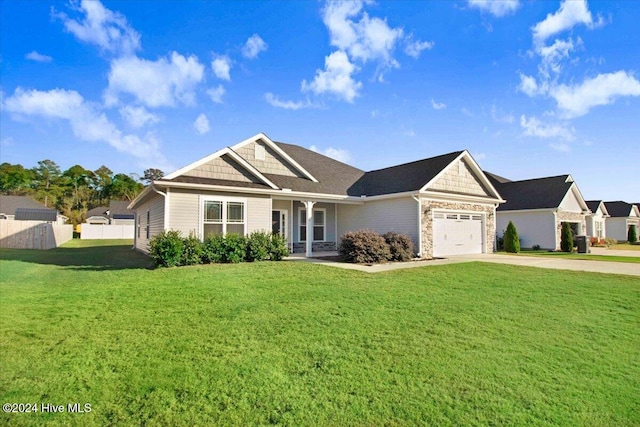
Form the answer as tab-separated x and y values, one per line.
118	209
538	193
9	204
618	209
99	211
496	179
406	177
593	205
28	214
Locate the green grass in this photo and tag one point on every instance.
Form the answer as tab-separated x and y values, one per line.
295	343
625	247
566	255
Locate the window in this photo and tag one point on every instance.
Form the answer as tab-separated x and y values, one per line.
319	225
599	229
148	224
223	216
260	152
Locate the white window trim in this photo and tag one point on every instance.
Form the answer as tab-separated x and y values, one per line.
304	223
224	200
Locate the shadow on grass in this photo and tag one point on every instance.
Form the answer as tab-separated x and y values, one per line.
89	258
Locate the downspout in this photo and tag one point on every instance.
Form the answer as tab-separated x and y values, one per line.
417	199
166	206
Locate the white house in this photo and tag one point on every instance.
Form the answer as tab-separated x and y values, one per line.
622	217
596	220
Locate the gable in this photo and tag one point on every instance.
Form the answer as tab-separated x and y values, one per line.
571	203
222	167
271	163
459	179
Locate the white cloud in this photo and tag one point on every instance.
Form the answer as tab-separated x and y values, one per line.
497	8
287	105
38	57
221	66
201	125
570	14
253	47
138	116
534	127
160	83
335	153
438	105
577	100
102	27
529	86
554	54
335	78
87	122
415	48
216	94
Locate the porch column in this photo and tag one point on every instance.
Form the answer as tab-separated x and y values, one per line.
308	206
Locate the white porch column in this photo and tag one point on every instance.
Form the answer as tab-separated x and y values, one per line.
308	206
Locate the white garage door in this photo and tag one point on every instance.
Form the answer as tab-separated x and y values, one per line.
457	234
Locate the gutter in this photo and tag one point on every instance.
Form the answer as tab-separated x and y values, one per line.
417	199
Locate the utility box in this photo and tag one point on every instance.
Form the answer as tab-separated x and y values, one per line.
583	244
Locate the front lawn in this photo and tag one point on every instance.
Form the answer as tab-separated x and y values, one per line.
567	255
297	343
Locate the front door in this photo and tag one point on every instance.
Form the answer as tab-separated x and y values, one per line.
279	223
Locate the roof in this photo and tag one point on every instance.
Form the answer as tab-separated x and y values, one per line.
9	204
28	214
98	211
537	193
119	208
619	209
496	179
593	204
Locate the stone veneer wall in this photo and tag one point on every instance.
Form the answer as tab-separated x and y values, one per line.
315	247
427	222
568	217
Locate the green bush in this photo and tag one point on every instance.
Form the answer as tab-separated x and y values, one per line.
166	248
566	237
191	250
278	248
234	248
258	244
400	246
364	247
212	249
511	239
632	235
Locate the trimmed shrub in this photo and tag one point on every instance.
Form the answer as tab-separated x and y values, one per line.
511	239
278	248
258	244
212	249
632	235
400	246
191	250
535	247
166	248
566	238
234	248
364	247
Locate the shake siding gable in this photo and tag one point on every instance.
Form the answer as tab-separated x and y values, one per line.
222	168
459	179
273	163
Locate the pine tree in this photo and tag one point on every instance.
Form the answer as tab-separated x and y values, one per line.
632	235
511	240
566	237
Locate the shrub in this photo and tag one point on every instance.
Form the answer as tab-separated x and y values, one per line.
212	249
234	248
258	244
364	246
278	248
511	240
500	242
400	246
566	237
166	248
609	241
535	247
632	235
191	250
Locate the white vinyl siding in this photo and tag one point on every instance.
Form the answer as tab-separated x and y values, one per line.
153	209
399	215
534	228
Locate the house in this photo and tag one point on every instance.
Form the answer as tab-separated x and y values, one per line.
24	208
596	221
116	213
622	216
538	207
445	204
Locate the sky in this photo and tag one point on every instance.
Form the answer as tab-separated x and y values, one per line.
530	88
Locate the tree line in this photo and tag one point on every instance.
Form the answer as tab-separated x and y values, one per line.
74	191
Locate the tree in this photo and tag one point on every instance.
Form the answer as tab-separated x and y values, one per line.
632	235
15	179
566	237
511	239
46	181
101	180
152	174
77	177
124	187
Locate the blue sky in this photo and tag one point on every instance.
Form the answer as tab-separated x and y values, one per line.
530	88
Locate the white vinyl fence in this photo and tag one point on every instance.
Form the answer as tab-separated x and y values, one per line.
33	234
107	231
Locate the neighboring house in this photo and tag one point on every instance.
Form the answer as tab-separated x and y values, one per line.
116	213
538	207
622	216
445	204
24	208
596	221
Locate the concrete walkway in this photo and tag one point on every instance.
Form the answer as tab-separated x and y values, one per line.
528	261
613	252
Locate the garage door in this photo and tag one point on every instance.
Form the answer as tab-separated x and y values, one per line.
457	234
